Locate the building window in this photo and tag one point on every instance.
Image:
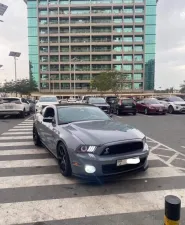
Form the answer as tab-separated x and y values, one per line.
139	29
44	86
65	86
118	67
127	76
138	67
44	77
139	19
128	39
118	29
128	48
117	57
138	86
138	48
128	58
138	58
128	19
127	67
138	76
118	38
128	29
128	9
138	39
139	9
139	1
118	48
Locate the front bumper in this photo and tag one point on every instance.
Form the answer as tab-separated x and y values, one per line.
157	111
179	108
107	165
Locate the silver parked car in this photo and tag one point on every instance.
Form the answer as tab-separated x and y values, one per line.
87	142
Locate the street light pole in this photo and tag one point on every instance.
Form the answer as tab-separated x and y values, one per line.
74	67
15	55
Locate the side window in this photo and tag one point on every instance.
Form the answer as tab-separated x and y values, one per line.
49	113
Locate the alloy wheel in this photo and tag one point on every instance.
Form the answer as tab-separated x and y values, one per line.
62	159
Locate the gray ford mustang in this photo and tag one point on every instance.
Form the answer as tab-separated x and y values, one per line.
87	142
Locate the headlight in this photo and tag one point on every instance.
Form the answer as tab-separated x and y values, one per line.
144	140
86	149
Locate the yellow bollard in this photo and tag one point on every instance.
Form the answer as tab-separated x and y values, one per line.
172	210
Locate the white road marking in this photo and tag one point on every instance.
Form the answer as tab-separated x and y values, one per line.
5	144
182	146
21	129
25	125
23	152
13	133
28	163
16	138
35	211
58	179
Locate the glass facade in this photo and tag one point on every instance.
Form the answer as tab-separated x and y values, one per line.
150	37
102	35
33	39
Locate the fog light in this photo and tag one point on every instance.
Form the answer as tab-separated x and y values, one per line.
89	169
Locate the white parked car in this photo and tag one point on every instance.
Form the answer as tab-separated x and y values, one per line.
14	106
45	101
174	104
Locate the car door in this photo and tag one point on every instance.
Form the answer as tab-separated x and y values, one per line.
142	106
49	128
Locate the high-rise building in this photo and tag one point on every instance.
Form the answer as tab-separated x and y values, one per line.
82	38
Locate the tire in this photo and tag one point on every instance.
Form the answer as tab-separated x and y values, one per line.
171	109
146	111
63	160
22	114
28	113
36	138
134	113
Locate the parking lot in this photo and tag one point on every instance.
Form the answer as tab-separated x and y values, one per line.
31	185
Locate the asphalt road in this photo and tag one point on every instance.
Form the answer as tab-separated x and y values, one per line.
8	122
169	129
32	189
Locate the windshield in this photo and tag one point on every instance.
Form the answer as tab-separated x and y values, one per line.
152	101
127	101
80	113
96	100
176	99
10	100
48	99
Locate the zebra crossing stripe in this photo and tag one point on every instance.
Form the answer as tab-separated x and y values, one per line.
16	138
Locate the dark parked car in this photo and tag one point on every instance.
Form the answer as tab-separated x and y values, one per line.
124	105
99	102
87	142
151	106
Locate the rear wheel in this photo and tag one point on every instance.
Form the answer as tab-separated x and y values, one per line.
64	161
134	113
36	138
170	109
22	114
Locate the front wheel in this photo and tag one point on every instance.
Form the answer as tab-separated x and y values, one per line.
64	161
36	138
170	109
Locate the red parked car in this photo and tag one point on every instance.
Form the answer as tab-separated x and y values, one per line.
150	106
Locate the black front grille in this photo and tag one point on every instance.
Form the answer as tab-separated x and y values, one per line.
182	104
123	148
113	168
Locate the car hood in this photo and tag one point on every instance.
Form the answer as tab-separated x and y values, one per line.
179	103
102	132
46	103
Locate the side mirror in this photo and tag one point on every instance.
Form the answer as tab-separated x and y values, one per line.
48	120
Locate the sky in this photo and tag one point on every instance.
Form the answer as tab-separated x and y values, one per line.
170	42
